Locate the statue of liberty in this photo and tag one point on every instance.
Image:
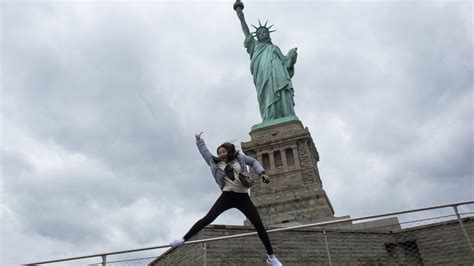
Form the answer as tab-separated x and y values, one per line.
272	72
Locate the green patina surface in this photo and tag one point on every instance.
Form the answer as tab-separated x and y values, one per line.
267	123
272	72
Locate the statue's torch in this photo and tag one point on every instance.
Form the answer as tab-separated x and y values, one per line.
238	6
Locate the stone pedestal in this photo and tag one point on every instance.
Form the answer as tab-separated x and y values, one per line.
295	193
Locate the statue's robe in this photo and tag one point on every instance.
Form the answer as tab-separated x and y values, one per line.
272	72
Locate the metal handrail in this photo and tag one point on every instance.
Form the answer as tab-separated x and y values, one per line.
103	255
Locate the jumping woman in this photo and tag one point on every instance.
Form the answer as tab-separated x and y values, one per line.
226	168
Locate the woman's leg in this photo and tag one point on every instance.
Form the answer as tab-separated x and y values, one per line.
222	204
245	205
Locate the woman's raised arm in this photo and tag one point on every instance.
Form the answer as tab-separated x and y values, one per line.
206	154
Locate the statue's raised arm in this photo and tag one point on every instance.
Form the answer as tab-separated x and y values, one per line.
238	7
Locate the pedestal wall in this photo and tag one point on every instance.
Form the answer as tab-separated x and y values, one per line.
295	193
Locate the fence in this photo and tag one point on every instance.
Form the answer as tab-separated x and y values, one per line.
410	237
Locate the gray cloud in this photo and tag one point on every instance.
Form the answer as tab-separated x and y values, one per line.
100	102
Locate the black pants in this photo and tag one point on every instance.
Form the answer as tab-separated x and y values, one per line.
229	200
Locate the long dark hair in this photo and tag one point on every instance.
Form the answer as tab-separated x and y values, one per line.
231	151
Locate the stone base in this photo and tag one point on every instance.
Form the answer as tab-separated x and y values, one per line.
303	205
289	156
433	244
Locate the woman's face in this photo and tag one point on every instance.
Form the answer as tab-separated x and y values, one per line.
222	153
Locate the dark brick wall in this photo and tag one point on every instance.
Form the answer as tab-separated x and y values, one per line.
435	244
186	255
443	243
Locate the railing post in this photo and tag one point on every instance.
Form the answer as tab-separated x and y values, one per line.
463	228
204	248
327	246
104	260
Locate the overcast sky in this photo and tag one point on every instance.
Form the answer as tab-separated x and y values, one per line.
100	102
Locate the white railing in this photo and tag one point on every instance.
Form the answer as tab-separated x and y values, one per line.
454	206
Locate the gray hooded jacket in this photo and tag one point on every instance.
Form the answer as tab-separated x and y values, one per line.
218	173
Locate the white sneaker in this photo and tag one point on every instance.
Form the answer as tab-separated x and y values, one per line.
177	242
272	260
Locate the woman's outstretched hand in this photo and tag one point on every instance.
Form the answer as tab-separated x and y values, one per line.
198	136
265	178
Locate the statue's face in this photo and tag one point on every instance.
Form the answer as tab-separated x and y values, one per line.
263	35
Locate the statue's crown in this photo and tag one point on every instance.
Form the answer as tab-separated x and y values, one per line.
262	27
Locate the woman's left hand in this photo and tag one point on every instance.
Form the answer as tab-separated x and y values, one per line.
265	178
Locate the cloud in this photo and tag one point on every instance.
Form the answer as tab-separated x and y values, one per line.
100	103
